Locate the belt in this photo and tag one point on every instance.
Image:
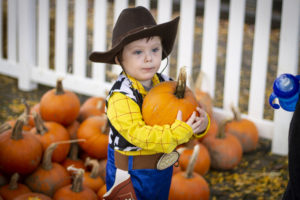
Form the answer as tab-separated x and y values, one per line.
156	161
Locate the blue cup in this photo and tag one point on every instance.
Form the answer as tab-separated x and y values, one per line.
286	89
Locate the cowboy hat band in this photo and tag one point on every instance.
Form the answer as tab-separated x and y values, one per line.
133	24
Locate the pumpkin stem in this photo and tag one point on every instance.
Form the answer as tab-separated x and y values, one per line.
105	127
95	167
39	124
4	127
59	87
99	105
26	112
74	151
47	159
13	183
221	130
17	129
77	185
236	113
181	84
192	162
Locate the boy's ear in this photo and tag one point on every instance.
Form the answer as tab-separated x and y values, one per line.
117	60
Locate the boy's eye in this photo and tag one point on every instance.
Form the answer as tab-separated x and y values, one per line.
155	49
138	52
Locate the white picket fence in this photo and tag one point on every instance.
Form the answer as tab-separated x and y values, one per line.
28	50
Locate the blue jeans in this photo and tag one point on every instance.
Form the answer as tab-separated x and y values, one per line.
147	183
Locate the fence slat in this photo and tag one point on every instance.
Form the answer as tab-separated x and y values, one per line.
287	63
260	58
43	34
234	53
1	30
119	6
61	36
145	3
186	35
209	45
12	30
99	37
164	14
27	43
80	32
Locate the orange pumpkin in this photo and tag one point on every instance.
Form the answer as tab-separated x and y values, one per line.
75	191
59	105
32	196
245	130
72	159
13	189
72	129
49	132
49	177
202	164
101	191
188	184
20	152
92	178
92	130
225	149
93	106
161	104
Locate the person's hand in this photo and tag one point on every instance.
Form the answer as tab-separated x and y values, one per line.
198	124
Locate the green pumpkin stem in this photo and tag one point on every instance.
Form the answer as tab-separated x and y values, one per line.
13	183
95	167
59	90
192	162
39	124
181	84
18	129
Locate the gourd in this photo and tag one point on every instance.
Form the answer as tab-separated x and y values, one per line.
244	129
50	132
13	189
59	105
92	130
75	191
188	184
20	152
225	149
93	106
161	104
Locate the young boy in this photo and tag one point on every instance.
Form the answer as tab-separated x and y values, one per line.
140	155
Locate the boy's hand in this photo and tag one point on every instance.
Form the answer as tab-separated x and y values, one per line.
198	124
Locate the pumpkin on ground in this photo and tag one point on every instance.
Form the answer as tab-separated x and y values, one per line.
92	178
244	129
161	104
92	130
101	191
50	132
225	149
188	184
50	176
13	189
59	105
20	152
32	196
75	191
93	106
202	164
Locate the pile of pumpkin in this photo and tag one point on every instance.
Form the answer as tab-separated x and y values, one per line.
58	147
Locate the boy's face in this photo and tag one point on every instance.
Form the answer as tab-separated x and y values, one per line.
141	58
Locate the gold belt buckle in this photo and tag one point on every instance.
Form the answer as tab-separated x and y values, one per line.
167	160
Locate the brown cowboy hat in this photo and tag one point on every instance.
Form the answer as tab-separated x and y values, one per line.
133	24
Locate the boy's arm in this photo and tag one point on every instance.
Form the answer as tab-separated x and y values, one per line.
125	115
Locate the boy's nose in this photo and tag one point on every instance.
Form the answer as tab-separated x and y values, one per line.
148	57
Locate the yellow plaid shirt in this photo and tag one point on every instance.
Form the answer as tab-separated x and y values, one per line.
126	117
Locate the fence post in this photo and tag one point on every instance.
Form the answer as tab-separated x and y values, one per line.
27	42
287	63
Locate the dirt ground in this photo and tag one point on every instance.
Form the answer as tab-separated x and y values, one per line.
260	175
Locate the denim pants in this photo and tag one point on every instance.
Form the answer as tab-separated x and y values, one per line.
148	183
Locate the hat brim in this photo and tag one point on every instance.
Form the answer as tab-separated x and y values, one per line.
166	31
